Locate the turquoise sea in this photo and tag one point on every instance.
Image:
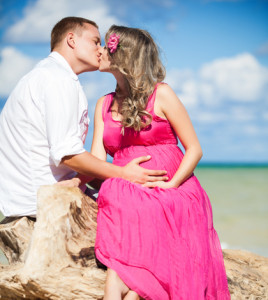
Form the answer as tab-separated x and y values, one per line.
239	198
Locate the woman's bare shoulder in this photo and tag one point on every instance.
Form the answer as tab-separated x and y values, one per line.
101	100
166	94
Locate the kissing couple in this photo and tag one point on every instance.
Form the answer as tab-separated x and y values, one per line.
155	229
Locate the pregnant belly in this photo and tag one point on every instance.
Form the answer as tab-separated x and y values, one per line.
163	157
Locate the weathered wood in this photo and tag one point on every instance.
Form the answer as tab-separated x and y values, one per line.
54	257
15	235
60	261
247	274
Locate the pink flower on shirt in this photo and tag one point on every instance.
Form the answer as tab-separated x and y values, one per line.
84	126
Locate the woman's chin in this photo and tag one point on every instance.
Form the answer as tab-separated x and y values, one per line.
101	69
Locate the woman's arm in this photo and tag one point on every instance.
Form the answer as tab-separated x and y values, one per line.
168	106
97	147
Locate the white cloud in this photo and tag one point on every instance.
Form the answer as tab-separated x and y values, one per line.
92	90
153	3
209	117
243	114
184	84
265	115
13	65
263	49
252	130
240	78
208	1
171	26
40	17
96	84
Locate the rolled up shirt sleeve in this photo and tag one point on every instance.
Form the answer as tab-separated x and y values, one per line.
62	119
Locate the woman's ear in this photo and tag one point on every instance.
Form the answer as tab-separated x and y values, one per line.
70	39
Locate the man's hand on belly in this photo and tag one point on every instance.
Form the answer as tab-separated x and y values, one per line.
135	173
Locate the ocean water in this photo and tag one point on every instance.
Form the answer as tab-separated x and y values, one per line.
239	199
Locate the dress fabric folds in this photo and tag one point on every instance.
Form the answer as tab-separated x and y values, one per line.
161	242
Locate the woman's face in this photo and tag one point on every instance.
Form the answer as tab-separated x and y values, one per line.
105	60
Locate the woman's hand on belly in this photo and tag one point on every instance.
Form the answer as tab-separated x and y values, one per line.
161	184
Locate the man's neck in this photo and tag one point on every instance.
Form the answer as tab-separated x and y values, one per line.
68	58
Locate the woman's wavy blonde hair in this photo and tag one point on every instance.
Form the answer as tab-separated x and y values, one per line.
137	58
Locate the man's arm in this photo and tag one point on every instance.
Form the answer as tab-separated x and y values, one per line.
89	165
94	164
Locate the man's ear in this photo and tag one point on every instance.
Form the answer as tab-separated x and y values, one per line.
70	39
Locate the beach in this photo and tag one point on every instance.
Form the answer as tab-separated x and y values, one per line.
238	196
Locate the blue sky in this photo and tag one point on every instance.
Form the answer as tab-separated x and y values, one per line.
215	53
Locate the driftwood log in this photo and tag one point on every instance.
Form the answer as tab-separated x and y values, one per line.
53	258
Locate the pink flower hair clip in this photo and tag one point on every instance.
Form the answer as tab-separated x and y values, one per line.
113	42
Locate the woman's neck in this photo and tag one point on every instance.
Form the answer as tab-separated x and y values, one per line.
122	89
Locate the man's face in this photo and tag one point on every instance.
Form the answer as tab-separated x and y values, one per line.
87	46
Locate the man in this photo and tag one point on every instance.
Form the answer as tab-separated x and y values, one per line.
44	123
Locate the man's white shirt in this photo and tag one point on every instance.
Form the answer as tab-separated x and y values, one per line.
44	119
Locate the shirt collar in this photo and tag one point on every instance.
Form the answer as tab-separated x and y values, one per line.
63	62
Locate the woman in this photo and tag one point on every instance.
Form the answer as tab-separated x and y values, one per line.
157	240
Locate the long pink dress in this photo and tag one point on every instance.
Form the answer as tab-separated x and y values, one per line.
161	242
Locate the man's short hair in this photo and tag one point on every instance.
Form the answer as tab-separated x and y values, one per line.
66	24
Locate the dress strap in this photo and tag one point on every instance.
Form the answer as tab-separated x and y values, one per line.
150	105
107	104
